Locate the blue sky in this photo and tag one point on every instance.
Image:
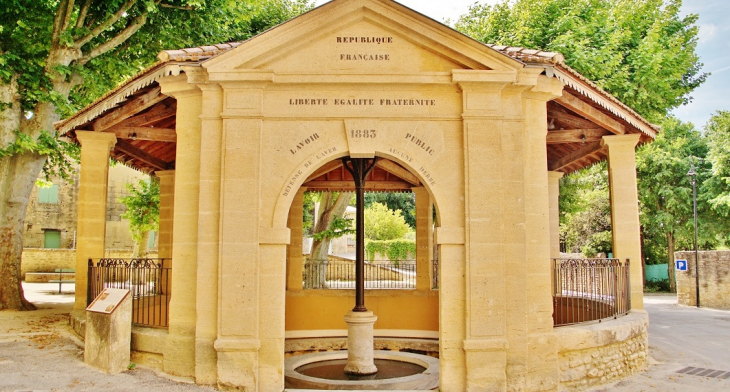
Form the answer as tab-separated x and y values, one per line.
713	48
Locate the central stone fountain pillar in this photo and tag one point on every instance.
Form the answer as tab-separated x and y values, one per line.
360	359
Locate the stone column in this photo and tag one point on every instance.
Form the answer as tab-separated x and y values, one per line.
554	192
625	208
91	219
294	256
424	244
206	327
167	201
179	353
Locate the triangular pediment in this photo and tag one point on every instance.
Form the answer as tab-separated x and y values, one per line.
361	36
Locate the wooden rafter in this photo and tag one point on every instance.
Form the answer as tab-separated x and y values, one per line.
575	156
145	133
133	107
558	113
396	170
369	185
576	135
573	103
328	167
158	113
138	154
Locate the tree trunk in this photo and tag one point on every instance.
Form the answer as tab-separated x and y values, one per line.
17	176
140	247
670	262
329	209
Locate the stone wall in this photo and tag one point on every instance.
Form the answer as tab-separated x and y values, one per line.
47	260
600	353
714	279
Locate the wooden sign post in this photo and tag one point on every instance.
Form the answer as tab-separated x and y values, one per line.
109	331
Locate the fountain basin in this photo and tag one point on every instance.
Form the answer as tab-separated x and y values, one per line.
426	380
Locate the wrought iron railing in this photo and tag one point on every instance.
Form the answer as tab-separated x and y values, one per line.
586	290
379	274
149	282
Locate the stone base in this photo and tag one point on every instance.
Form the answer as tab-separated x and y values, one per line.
360	343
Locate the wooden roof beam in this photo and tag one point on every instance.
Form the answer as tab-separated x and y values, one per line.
575	156
396	170
141	155
328	167
145	133
159	112
576	135
350	185
117	115
573	103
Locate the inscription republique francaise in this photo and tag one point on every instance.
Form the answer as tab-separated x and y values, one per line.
364	56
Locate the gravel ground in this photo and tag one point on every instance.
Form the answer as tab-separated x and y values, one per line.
40	352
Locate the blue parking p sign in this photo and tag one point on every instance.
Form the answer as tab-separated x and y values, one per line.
681	265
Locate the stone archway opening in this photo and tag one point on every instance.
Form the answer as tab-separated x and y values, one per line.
403	296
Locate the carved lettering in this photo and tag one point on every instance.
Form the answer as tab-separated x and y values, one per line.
364	133
304	143
364	57
364	40
405	157
420	143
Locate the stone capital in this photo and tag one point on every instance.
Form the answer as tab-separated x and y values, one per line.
90	137
178	86
164	173
555	175
621	141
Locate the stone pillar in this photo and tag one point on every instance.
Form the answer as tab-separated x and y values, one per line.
91	219
360	343
452	308
625	208
206	328
294	252
509	341
164	243
554	192
424	244
167	201
179	353
239	344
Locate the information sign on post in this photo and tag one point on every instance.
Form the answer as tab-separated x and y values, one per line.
681	265
109	331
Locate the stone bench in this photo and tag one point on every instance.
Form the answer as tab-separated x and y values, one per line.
46	277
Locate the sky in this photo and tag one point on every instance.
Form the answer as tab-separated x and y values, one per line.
713	48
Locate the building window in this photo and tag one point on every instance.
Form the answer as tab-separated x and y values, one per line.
151	240
48	195
52	239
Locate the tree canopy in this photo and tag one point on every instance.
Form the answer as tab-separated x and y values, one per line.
143	211
642	51
58	55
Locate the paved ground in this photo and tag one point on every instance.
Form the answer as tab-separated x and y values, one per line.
682	337
39	352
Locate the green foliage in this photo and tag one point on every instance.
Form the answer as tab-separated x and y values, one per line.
717	131
61	155
339	227
406	202
585	210
657	286
382	223
600	242
641	51
395	250
143	208
308	202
